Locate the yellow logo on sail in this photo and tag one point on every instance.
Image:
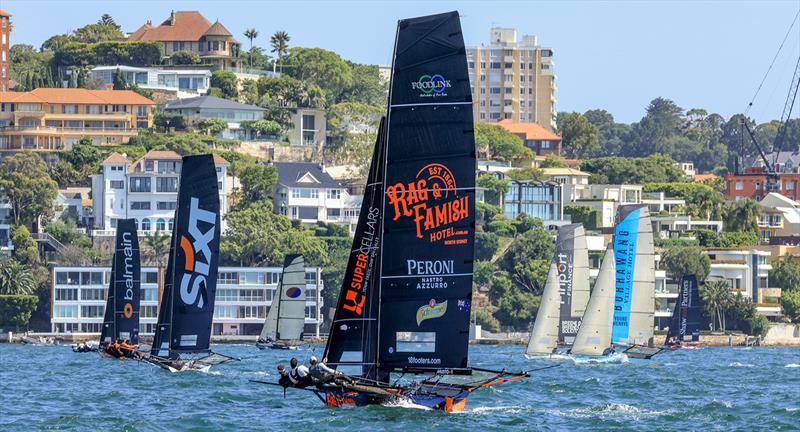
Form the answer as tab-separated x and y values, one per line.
431	310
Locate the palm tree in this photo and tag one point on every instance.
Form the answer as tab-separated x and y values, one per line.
157	245
743	215
280	46
16	278
717	297
251	34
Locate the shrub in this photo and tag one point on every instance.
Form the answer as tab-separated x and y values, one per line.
16	310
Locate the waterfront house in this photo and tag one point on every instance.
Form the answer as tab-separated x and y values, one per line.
181	83
204	107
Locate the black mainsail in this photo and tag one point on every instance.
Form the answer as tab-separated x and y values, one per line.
187	304
429	208
121	317
351	346
687	314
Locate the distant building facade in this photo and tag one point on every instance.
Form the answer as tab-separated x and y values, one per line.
513	80
755	185
204	107
244	295
306	192
5	45
540	199
779	221
747	273
182	82
54	119
145	190
190	31
540	140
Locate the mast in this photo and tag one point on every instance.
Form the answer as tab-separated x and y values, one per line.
544	336
594	334
428	213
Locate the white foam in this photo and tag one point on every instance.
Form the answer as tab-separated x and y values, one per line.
737	364
610	410
512	409
793	365
609	359
405	403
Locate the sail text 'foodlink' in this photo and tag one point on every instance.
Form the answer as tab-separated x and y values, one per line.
128	275
412	200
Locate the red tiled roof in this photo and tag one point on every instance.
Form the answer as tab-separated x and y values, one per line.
76	96
161	155
4	13
219	160
217	29
116	158
704	177
189	26
532	131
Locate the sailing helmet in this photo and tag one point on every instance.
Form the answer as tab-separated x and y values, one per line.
313	360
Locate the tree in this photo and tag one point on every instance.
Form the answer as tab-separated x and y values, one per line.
716	295
108	20
322	68
258	182
185	58
613	137
579	137
486	245
156	247
527	259
119	80
280	46
662	121
30	190
628	170
99	32
527	173
742	215
517	309
251	34
213	126
16	310
367	86
785	274
552	161
26	250
256	236
790	301
225	81
15	278
166	120
493	188
688	260
495	142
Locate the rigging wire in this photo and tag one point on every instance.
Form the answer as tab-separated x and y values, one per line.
750	105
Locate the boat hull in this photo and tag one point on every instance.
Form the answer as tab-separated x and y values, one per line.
275	346
351	398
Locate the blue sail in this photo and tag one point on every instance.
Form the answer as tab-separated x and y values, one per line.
625	239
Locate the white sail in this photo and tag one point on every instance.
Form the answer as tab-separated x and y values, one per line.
644	284
286	316
544	336
594	335
580	274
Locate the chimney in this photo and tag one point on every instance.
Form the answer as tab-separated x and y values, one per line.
172	18
149	22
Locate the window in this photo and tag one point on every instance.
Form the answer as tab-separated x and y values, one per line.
308	122
227	295
334	194
65	311
69	109
739	185
93	294
273	277
141	111
495	90
167	184
170	223
545	144
252	278
495	65
91	327
166	205
789	185
257	295
117	184
252	312
168	167
149	294
140	184
146	226
148	311
307	212
147	328
94	109
225	311
229	278
68	278
92	311
140	205
150	277
66	294
334	213
305	193
161	224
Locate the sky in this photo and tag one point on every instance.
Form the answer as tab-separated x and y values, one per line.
614	55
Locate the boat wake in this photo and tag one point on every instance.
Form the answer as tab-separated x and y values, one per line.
555	357
616	358
513	409
738	365
402	402
611	410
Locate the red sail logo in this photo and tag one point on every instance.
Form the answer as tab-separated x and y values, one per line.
432	202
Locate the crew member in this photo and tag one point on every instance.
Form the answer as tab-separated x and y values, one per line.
299	374
129	350
284	380
321	373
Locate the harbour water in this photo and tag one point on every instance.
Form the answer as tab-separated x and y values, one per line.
52	388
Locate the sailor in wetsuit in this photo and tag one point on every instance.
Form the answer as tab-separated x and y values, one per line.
299	375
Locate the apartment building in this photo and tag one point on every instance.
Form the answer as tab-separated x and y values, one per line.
244	295
54	119
145	190
183	83
308	193
310	127
756	185
204	107
747	273
566	176
191	31
779	221
541	141
5	44
513	80
605	198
